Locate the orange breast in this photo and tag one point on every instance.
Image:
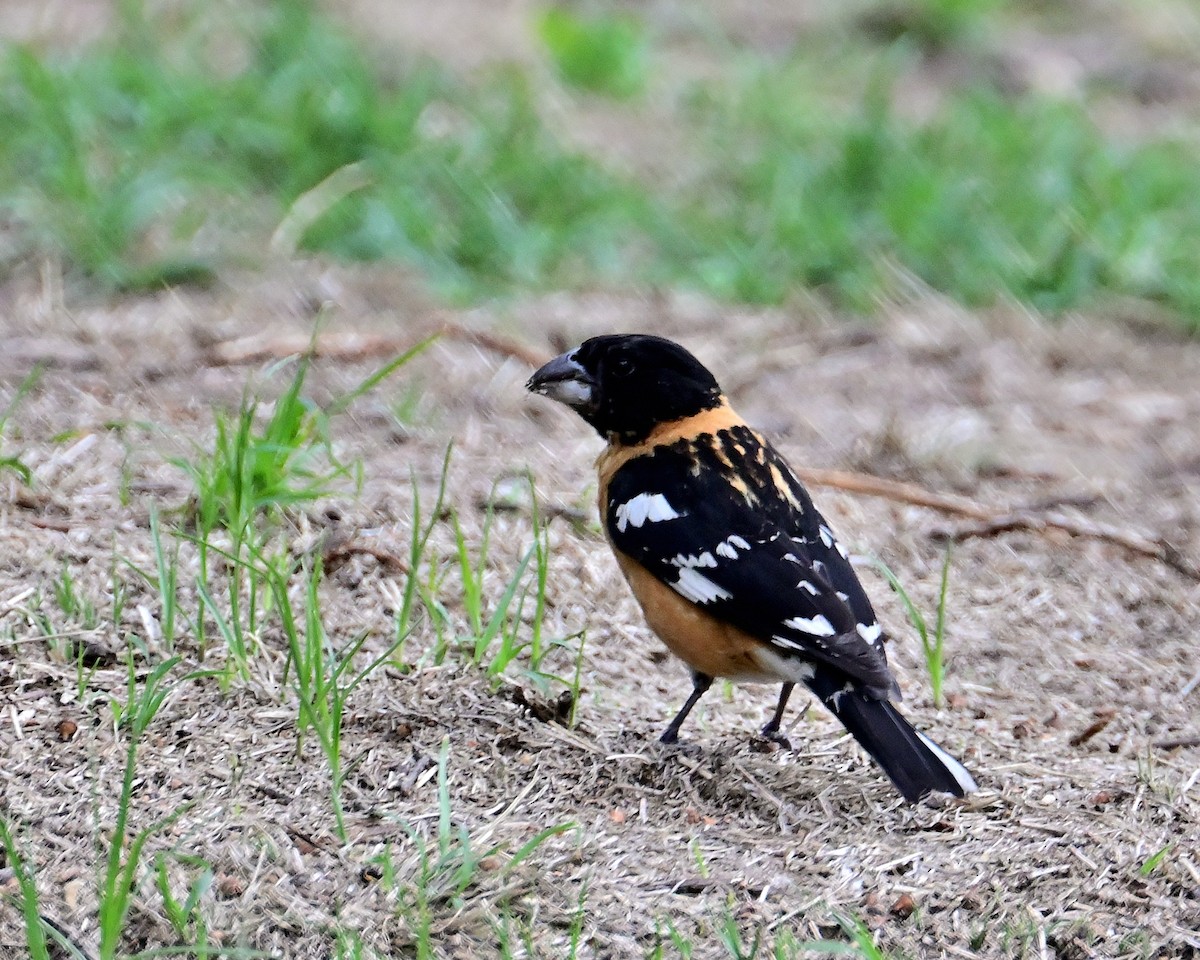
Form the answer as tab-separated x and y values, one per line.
699	640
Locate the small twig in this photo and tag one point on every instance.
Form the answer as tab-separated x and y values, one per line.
343	345
45	523
351	345
1093	728
1174	742
336	555
691	887
762	791
990	523
1159	549
304	842
489	341
268	791
1060	500
894	490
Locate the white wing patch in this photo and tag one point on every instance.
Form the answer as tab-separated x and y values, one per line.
826	536
730	545
696	587
645	506
806	585
818	626
705	559
869	632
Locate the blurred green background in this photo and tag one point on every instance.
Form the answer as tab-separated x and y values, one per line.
988	150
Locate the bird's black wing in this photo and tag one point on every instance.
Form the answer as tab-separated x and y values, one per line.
722	521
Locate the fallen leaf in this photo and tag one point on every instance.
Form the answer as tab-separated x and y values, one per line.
903	907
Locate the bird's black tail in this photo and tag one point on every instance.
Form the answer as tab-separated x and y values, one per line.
915	764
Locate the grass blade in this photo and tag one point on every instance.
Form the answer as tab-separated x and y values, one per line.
35	935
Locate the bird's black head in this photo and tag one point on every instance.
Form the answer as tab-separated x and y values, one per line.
624	385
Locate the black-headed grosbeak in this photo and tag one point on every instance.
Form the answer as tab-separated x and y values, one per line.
735	569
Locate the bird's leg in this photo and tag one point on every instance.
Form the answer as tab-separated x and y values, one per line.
700	684
771	730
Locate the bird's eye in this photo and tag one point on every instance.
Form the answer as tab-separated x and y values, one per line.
623	366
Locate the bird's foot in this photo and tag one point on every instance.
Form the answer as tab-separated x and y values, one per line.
771	735
674	746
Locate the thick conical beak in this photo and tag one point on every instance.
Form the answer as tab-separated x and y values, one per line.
564	380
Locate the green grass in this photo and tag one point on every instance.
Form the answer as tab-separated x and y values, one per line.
74	606
260	465
257	467
141	162
862	941
743	941
495	640
933	642
1153	862
269	459
263	465
125	157
185	915
12	461
602	53
118	883
124	873
496	629
321	675
35	934
991	196
444	870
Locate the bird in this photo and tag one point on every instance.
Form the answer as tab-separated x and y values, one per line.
733	566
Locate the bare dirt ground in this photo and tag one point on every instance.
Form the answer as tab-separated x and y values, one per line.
1050	638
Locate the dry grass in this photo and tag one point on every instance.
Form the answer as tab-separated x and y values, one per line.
1048	637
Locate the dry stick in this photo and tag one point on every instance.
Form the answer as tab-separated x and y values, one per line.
336	555
1159	549
991	523
893	490
334	344
353	346
489	341
1175	742
1090	731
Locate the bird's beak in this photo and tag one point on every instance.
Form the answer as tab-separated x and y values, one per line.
565	380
